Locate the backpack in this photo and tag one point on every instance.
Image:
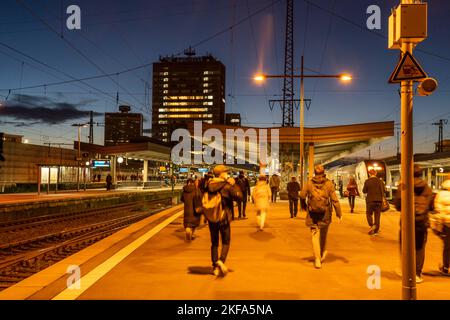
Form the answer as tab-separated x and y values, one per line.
212	207
318	199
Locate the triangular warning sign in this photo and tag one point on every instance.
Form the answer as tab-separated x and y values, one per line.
407	69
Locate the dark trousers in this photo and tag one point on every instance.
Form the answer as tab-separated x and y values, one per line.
274	194
293	207
421	241
446	253
222	228
351	201
242	205
373	209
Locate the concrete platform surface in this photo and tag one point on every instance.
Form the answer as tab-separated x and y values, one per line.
273	264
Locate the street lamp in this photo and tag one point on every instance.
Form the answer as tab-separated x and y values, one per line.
79	125
344	77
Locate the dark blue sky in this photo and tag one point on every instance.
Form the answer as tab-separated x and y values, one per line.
118	35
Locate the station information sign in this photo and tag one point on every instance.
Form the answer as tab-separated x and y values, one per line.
101	163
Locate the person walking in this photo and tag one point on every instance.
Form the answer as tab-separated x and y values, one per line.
341	187
441	221
423	196
192	199
217	206
374	188
274	183
244	184
108	182
353	191
261	196
293	189
318	198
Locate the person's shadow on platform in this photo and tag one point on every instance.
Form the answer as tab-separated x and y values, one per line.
202	270
330	258
263	236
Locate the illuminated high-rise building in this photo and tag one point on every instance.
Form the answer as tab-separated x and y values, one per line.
187	89
122	127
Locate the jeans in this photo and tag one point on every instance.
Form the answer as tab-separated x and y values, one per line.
373	208
222	228
319	241
351	201
242	205
421	241
274	194
293	207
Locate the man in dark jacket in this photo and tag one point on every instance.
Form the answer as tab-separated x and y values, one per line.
423	199
374	188
229	192
192	199
108	182
244	184
318	197
293	189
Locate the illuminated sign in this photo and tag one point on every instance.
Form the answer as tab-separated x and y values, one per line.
101	163
184	170
203	170
162	169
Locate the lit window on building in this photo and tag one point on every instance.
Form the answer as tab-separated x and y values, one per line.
210	97
162	122
166	91
164	134
205	79
166	80
206	85
165	85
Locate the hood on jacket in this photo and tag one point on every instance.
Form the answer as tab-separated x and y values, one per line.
319	179
419	186
216	184
446	184
188	189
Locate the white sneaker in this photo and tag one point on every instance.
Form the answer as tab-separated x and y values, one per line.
216	271
419	279
324	255
222	267
318	264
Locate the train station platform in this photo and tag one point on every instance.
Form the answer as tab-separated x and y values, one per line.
151	260
20	205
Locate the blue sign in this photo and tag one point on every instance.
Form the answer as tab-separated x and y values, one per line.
203	170
101	163
184	170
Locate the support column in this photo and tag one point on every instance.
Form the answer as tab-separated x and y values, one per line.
145	177
113	169
311	160
39	180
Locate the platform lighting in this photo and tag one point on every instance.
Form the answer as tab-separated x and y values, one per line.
120	160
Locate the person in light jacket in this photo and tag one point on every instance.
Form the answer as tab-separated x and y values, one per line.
261	196
442	217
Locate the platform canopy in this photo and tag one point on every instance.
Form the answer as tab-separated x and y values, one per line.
140	151
330	143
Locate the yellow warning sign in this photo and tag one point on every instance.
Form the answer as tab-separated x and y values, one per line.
407	69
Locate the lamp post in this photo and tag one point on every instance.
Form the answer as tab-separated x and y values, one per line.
302	76
79	125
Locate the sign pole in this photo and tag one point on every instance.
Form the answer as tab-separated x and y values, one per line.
409	291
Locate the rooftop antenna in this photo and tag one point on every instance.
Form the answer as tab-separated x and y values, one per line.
189	52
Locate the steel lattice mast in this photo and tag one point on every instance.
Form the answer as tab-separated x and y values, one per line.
288	88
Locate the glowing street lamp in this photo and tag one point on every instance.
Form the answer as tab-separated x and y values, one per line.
343	77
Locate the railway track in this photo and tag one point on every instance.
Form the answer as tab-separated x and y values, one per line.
21	259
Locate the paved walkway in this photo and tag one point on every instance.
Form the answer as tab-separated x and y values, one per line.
273	264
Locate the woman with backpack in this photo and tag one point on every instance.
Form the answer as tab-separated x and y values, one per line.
318	197
352	189
192	199
261	196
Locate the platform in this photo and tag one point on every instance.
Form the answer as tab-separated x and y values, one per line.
151	260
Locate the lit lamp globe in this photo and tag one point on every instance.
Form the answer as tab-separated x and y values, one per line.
120	160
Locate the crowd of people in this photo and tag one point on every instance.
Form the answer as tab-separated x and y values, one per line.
214	195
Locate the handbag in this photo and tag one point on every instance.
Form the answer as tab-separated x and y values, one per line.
384	203
346	194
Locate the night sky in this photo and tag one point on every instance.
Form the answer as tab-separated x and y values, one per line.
121	35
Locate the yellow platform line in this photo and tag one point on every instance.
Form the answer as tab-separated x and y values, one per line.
92	277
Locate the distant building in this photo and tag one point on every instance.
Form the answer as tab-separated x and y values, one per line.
233	119
186	89
122	127
445	146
